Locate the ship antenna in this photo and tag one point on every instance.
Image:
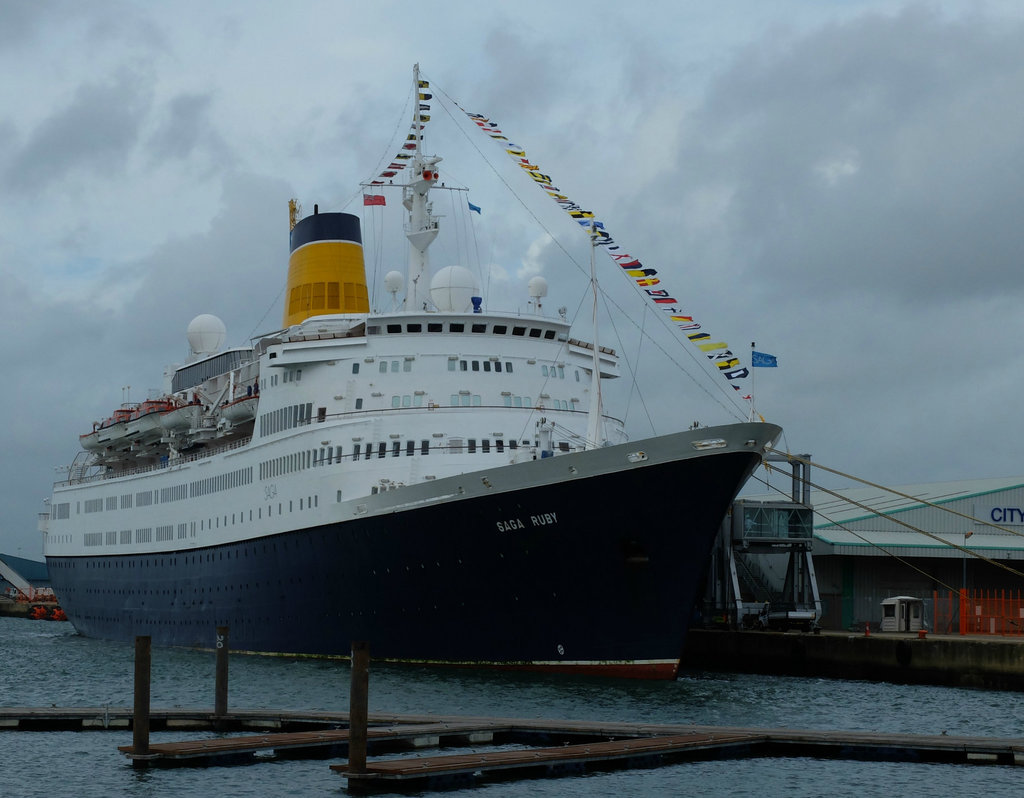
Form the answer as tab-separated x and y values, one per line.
422	227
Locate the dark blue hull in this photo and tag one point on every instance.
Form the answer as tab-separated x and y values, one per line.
594	574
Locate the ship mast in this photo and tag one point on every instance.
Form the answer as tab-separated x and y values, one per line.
594	436
422	225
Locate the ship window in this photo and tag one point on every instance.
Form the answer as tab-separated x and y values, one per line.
394	366
561	372
577	375
455	445
497	366
407	364
406	400
410	448
519	331
499	329
508	366
417	400
465	400
373	329
414	328
396	401
479	328
549	334
337	453
485	445
359	404
355	451
544	371
434	327
321	414
563	446
396	449
508	401
476	400
499	445
463	365
424	447
513	444
518	401
476	365
471	445
382	450
383	367
487	365
451	365
456	327
534	332
394	328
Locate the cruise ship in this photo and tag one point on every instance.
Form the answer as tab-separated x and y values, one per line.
440	481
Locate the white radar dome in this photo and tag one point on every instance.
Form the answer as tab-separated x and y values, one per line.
206	334
393	282
452	289
537	287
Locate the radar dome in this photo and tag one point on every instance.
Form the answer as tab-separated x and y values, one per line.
393	282
206	334
537	287
452	289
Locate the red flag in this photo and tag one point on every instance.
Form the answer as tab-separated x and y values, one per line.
373	199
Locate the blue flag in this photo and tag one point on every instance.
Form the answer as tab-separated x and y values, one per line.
761	360
473	207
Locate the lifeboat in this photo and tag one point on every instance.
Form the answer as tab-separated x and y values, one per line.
145	423
114	428
240	410
182	419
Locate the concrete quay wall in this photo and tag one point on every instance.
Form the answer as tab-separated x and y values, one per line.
990	662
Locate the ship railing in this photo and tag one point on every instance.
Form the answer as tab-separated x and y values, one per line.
162	466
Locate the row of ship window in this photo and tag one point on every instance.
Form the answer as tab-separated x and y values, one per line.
124	537
461	327
494	365
146	498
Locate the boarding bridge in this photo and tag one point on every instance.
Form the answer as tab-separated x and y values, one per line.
762	573
16	579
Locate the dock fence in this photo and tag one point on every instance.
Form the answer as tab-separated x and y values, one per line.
979	612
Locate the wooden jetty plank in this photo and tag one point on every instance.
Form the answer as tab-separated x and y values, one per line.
430	734
403	769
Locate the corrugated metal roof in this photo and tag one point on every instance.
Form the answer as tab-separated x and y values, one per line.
830	510
833	512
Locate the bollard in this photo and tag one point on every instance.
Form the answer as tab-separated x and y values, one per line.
140	715
357	709
220	701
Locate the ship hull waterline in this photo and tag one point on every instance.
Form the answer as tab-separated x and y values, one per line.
588	575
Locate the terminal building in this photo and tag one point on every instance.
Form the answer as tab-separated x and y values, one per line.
840	554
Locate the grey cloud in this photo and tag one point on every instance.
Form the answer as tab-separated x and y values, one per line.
882	154
98	130
185	128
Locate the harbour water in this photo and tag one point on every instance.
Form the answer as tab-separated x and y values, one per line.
47	663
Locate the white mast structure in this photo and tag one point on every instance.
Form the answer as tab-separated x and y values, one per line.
594	427
422	226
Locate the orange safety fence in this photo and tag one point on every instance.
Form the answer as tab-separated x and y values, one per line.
979	612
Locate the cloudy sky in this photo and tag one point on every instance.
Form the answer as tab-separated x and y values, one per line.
839	180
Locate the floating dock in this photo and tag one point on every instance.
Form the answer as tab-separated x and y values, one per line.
533	748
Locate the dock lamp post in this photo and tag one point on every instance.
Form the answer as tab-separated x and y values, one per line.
963	582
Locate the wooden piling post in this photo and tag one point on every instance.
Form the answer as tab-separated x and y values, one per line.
140	716
357	709
220	703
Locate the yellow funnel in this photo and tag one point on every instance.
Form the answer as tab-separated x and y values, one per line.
326	274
